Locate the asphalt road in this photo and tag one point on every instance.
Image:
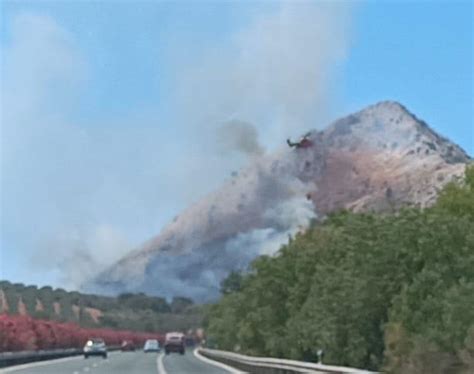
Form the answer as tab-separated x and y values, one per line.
188	363
122	363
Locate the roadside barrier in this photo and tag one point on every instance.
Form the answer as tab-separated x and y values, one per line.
268	365
24	357
16	358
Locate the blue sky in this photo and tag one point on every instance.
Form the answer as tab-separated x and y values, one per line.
108	107
421	54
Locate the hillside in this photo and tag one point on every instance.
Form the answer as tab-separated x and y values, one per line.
379	159
135	312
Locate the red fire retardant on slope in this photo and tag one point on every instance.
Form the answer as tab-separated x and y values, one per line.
21	333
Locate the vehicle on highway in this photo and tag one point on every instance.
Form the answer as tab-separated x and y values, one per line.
151	345
127	345
95	347
174	342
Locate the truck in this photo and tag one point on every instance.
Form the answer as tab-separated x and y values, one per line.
174	342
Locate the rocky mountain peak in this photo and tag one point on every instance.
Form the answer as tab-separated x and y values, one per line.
389	127
378	159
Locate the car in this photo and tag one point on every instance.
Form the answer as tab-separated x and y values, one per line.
174	342
151	345
95	347
127	345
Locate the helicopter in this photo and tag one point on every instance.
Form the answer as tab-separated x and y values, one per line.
304	142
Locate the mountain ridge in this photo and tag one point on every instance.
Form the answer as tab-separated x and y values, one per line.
379	159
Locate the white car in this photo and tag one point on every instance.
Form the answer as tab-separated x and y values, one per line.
151	345
95	347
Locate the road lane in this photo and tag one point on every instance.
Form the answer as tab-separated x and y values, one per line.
121	363
188	364
132	363
117	363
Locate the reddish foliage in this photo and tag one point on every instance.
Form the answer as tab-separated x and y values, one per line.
20	333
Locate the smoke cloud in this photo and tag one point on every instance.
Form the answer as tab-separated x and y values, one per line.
198	271
276	72
72	196
239	136
87	192
252	214
82	252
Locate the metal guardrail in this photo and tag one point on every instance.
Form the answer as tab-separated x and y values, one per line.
268	365
24	357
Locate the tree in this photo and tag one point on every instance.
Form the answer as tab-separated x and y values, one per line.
180	304
391	291
232	283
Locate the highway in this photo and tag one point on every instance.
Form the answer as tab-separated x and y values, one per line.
122	363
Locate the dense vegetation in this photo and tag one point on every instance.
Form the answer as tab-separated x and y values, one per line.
137	312
20	333
392	292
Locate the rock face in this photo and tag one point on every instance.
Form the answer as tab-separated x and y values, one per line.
378	159
384	157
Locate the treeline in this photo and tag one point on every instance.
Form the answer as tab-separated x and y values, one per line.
21	333
130	311
392	292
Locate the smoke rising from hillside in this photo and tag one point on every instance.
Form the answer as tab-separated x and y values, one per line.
64	178
276	72
252	214
274	78
239	136
82	252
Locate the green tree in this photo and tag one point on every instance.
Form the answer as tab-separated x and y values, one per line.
232	283
373	290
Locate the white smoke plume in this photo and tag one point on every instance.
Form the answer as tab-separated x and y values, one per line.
277	71
65	178
253	214
81	253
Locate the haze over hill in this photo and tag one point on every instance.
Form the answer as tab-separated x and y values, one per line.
379	159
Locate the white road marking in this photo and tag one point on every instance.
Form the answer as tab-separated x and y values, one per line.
94	365
215	363
86	368
159	364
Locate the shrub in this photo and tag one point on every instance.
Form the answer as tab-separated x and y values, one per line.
20	333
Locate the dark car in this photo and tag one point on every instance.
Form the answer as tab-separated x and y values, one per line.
174	342
127	345
95	347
